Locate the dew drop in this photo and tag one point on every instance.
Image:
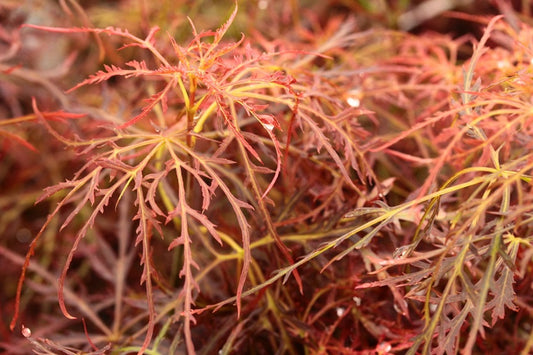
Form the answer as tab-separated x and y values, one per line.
268	126
357	301
502	64
353	98
399	308
353	102
383	348
26	332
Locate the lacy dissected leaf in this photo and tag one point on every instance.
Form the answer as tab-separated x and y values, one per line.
144	234
503	295
449	332
502	288
111	71
158	98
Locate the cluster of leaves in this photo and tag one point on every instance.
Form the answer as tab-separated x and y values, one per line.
347	191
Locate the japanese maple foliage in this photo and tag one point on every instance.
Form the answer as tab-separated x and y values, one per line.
332	188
